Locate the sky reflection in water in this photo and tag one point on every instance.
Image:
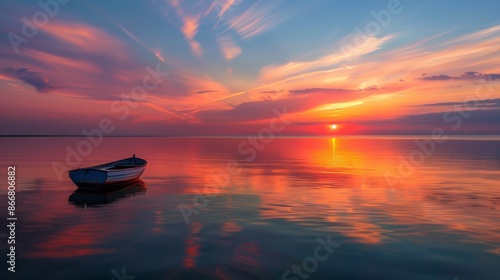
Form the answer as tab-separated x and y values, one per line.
440	222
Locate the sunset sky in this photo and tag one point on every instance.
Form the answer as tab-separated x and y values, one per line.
224	67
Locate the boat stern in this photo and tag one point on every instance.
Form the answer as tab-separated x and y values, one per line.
82	177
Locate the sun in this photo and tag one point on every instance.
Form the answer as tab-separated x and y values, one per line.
333	126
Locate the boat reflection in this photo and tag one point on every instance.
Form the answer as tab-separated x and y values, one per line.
84	198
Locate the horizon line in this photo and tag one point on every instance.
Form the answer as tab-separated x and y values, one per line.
255	135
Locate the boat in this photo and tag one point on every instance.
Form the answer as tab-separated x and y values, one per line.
101	197
114	173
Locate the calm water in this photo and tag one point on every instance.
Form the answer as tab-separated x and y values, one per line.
438	220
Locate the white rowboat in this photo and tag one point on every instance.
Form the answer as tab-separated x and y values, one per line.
108	174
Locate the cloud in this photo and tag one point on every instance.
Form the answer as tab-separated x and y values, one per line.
371	87
34	79
223	6
485	103
83	61
487	121
320	90
190	21
190	29
205	91
298	101
463	77
77	59
272	91
478	117
258	18
159	55
435	78
248	111
156	52
234	19
480	35
334	60
228	47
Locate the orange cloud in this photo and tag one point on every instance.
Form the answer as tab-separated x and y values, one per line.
85	37
190	29
274	73
228	47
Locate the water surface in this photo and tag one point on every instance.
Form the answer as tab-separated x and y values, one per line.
434	219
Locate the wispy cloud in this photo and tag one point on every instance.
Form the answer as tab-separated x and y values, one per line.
221	7
480	35
156	52
34	79
318	90
477	50
297	102
85	62
205	91
190	29
72	59
485	103
231	20
275	73
327	74
190	14
260	17
464	76
228	47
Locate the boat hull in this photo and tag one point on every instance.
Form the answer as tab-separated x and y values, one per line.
109	174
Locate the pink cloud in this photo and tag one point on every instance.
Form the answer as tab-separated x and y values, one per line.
228	47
